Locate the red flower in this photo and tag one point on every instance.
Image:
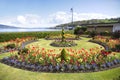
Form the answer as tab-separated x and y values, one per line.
43	49
93	62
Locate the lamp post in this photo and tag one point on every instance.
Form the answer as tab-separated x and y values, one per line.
72	17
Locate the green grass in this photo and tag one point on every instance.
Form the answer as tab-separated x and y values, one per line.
11	73
83	43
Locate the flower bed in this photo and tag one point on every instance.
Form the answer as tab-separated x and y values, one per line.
66	60
100	43
66	43
58	37
14	44
111	43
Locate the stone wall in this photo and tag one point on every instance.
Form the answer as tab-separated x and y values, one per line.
101	28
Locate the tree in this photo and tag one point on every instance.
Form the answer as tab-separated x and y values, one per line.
93	34
79	30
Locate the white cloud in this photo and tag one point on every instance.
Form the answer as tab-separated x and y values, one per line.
33	20
21	19
59	17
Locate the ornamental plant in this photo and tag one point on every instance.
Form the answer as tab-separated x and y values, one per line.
64	55
79	30
63	35
108	41
10	46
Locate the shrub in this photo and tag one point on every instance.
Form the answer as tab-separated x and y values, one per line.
93	34
23	51
14	35
116	34
11	46
87	32
79	30
63	55
105	33
117	47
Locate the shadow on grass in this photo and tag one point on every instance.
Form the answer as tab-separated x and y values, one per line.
117	78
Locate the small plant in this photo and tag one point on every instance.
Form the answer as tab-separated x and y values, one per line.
116	34
117	47
11	46
105	33
23	51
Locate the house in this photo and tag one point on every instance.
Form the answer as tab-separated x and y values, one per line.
102	27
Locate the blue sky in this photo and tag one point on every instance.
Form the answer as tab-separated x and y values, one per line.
48	13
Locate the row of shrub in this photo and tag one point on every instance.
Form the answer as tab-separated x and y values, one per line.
14	35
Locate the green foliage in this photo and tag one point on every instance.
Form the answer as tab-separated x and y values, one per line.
117	47
65	43
106	33
11	46
93	34
79	30
83	29
63	35
116	34
14	35
92	21
23	51
63	55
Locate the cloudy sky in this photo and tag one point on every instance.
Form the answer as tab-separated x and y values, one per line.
48	13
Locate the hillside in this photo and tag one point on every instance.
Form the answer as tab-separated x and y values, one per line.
92	21
6	26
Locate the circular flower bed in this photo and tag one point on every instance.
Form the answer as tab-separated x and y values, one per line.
69	60
67	37
67	43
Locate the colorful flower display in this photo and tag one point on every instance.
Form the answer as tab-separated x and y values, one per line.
14	44
110	42
71	60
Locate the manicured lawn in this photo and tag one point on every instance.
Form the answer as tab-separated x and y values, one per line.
11	73
83	43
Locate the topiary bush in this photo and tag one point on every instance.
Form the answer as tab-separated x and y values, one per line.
63	55
62	34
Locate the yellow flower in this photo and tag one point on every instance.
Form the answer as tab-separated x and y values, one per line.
80	60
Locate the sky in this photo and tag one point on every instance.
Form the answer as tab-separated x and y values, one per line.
49	13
